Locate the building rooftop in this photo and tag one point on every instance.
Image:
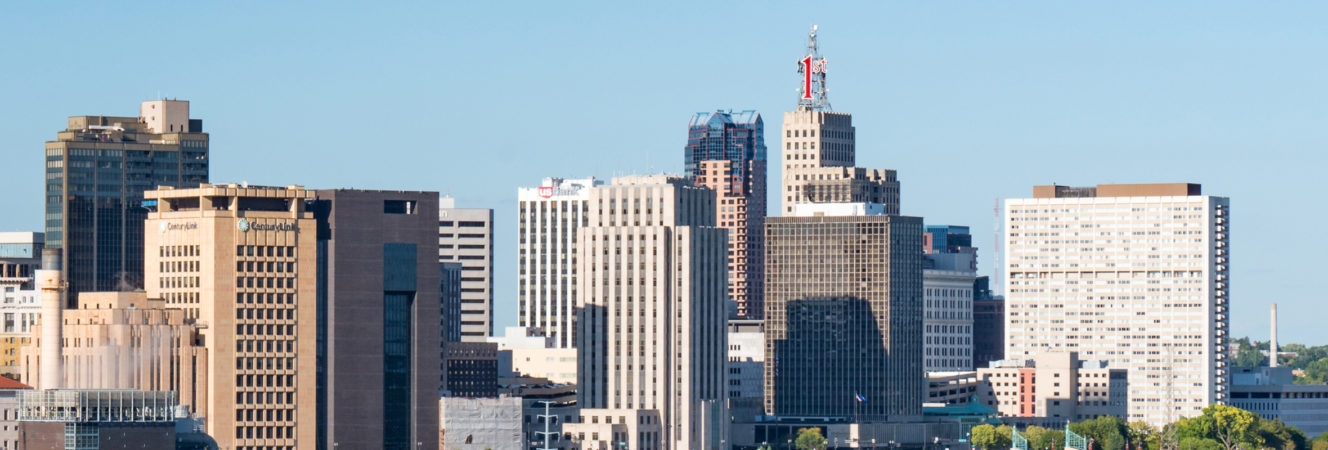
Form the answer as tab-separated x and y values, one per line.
6	383
1119	190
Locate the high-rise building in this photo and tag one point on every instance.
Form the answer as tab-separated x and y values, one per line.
819	149
1135	275
651	334
466	236
319	309
726	152
243	263
96	172
379	343
988	324
947	280
843	322
549	217
20	258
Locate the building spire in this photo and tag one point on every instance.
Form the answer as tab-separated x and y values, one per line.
811	72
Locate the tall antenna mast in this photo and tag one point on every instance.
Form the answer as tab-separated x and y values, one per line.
811	71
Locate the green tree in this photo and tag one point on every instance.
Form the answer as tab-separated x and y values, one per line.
1141	434
991	437
1043	438
810	439
983	436
1231	426
1107	432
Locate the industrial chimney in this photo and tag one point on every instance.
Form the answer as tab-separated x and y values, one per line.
52	320
1272	343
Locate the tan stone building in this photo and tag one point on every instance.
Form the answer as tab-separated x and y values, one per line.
124	340
651	336
818	158
1056	386
240	261
1135	275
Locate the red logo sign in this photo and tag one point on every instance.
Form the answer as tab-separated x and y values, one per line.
546	191
808	68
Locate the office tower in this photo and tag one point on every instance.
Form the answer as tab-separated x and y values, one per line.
819	150
243	262
1136	275
988	324
1054	386
20	258
96	172
450	299
125	340
379	317
651	334
726	152
466	236
947	281
549	217
843	321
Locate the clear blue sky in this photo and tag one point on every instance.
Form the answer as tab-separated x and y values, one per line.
968	101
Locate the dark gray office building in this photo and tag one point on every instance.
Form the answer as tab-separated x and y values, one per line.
843	317
379	319
96	172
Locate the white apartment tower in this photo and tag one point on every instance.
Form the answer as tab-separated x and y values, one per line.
652	271
465	235
548	219
1135	275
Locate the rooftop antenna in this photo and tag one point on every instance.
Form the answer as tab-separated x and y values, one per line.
811	71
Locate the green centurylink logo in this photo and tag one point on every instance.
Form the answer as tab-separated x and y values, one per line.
243	225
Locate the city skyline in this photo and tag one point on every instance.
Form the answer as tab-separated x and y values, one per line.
1195	93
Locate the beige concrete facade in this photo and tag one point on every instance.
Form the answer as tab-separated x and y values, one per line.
651	337
124	340
1134	275
1054	385
240	261
818	157
740	208
465	235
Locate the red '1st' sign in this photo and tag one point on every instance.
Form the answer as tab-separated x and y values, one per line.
808	68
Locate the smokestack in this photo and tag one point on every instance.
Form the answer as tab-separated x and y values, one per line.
1272	343
52	320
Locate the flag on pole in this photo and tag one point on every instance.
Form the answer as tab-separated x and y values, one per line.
860	397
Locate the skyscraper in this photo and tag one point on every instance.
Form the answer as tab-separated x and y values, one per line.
379	303
726	152
651	338
319	311
819	149
96	172
465	235
947	279
243	263
549	217
1136	275
843	320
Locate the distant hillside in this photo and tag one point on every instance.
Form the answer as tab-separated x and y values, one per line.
1312	360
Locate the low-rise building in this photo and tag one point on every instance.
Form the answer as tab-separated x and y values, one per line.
470	369
525	352
480	423
1056	386
97	418
951	388
1271	393
9	394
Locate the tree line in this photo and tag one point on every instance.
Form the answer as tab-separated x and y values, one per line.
1219	428
1312	360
